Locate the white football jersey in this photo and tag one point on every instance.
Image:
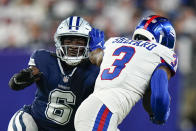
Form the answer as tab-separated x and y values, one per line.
126	70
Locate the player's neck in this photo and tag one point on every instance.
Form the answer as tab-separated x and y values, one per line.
66	66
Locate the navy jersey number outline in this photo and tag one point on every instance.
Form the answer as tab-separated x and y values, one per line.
118	63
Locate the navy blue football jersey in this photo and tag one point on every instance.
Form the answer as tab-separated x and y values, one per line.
58	96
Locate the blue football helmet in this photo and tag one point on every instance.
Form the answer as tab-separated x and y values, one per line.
156	29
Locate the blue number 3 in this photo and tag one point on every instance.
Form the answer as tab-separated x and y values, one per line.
118	63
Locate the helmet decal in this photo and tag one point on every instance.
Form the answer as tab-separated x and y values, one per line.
74	21
151	20
70	22
77	23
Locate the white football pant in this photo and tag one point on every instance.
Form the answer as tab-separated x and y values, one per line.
22	121
93	115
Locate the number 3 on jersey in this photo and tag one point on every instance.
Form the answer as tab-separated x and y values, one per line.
118	63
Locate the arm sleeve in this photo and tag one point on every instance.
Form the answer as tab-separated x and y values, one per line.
160	99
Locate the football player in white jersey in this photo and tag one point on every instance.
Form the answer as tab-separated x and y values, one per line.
130	68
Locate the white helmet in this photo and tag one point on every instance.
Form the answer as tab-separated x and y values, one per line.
72	26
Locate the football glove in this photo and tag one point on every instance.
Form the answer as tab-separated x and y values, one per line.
23	79
96	39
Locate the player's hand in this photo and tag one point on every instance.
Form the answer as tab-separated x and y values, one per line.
158	120
96	39
26	76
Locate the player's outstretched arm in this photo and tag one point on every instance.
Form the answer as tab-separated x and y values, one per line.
96	56
24	78
156	99
96	46
160	98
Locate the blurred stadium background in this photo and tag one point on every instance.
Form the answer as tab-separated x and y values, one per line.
27	25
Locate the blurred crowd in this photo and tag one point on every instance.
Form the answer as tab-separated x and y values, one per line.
31	24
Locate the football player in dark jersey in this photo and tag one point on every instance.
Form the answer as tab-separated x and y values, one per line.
63	79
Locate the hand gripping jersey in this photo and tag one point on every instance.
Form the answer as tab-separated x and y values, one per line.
126	70
58	96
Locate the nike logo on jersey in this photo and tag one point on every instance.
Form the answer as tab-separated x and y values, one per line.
99	44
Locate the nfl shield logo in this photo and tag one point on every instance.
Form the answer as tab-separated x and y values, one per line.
65	79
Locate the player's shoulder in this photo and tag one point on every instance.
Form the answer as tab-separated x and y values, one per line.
41	56
88	66
41	52
88	72
164	51
162	48
168	56
114	40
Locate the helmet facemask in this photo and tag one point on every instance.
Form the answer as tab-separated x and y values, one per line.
73	49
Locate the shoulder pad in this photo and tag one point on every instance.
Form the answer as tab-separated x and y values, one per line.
38	55
169	57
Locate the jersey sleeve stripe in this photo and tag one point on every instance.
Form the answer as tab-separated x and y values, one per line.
107	121
102	119
32	62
